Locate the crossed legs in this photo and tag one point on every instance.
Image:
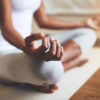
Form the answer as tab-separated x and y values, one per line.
75	43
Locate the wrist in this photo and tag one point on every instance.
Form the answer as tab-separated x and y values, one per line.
23	48
27	50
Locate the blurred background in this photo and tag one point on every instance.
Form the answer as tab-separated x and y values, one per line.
72	6
70	10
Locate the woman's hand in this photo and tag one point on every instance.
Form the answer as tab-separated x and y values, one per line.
31	47
55	52
92	23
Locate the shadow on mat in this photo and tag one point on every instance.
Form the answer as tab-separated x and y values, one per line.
21	86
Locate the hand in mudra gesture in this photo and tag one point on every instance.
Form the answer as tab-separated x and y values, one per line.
93	22
54	53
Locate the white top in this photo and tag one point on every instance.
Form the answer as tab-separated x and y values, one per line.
22	15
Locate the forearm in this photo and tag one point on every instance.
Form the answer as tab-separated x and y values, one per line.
6	25
45	21
59	24
14	38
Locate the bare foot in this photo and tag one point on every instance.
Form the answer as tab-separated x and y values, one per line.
46	89
54	86
74	63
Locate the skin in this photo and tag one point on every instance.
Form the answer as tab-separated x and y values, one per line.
28	45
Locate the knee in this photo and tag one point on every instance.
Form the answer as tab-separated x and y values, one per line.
90	39
52	71
86	39
91	35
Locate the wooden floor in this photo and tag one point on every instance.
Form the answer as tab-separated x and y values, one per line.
90	90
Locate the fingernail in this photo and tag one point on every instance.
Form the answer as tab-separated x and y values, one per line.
51	38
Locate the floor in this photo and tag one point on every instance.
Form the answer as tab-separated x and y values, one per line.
90	90
70	83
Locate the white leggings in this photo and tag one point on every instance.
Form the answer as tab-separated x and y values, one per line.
19	67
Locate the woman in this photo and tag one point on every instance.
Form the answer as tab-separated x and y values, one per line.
50	59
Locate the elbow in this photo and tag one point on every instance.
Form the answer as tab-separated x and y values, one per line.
43	23
4	32
6	29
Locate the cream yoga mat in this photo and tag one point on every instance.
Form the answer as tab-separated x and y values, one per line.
70	83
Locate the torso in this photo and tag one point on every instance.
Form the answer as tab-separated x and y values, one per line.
22	14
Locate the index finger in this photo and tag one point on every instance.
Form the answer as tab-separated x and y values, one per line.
33	37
